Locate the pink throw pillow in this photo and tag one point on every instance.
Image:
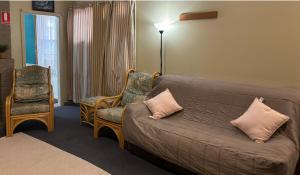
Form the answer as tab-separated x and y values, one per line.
162	105
260	122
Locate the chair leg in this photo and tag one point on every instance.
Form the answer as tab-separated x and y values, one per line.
85	114
81	114
116	129
50	122
120	137
121	140
88	116
96	128
9	132
50	128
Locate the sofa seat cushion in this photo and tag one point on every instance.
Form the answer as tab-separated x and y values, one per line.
111	114
30	108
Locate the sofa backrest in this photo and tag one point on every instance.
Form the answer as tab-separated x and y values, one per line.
224	101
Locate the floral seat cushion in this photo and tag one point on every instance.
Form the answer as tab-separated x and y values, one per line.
138	85
30	108
91	101
111	114
31	84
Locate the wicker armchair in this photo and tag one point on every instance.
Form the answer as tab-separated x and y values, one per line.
31	98
138	84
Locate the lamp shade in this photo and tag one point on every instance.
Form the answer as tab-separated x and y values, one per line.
163	26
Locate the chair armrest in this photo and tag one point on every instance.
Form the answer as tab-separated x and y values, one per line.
8	102
107	101
155	75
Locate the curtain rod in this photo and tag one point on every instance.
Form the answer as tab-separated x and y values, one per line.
89	4
81	6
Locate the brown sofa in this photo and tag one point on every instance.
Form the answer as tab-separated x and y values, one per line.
201	139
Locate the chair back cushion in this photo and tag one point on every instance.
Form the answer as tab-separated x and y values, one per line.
32	84
138	85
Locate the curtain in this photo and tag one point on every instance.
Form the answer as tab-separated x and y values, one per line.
82	48
47	36
69	70
103	48
120	50
101	19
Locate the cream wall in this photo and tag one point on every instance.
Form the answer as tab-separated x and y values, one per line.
5	31
61	8
250	42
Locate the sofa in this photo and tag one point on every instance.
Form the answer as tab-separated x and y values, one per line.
201	139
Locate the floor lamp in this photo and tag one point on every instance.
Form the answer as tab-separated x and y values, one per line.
161	27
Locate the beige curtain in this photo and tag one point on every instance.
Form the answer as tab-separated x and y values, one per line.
70	55
103	48
120	50
82	49
101	14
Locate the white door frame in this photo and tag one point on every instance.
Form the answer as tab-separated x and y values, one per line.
60	18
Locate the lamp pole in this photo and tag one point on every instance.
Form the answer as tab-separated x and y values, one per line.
161	52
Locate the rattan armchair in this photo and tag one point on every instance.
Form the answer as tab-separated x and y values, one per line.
138	84
30	99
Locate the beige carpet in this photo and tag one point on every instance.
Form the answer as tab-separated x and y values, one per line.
25	155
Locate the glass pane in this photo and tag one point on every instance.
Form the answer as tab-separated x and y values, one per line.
47	34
